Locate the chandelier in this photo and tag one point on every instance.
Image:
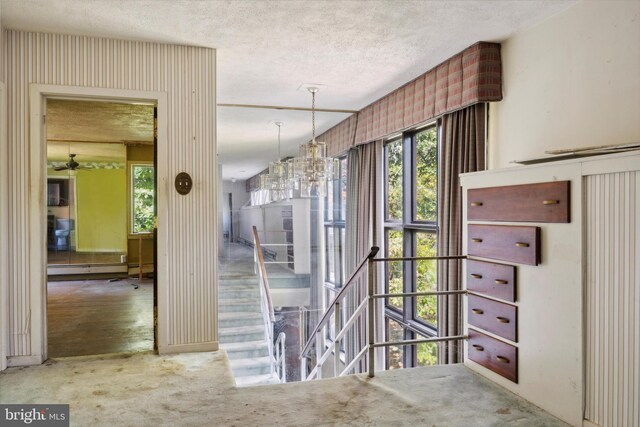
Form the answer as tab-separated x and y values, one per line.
310	171
277	181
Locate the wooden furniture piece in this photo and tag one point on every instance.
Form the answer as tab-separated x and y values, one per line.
496	317
500	357
491	279
543	202
504	242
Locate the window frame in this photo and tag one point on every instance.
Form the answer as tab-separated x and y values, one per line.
407	317
130	189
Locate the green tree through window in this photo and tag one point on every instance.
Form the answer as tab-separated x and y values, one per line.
143	198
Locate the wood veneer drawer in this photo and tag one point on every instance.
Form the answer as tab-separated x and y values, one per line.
519	244
494	280
500	357
496	317
543	202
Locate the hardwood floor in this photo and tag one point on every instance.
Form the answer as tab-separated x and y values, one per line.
88	317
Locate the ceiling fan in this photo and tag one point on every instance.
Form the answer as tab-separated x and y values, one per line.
71	165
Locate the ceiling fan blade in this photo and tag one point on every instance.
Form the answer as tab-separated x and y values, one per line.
61	168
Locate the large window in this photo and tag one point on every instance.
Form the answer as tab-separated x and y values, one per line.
142	198
411	226
335	215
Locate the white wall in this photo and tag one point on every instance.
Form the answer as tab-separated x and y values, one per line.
572	81
4	272
186	75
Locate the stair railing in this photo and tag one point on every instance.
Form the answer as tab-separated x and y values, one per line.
367	305
266	305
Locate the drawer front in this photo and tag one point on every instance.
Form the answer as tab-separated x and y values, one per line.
500	357
504	242
494	280
544	202
493	316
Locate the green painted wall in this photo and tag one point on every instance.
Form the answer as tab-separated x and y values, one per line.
102	216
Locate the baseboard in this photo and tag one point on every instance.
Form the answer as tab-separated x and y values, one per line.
587	423
13	361
189	348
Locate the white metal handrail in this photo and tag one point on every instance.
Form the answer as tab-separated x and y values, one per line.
280	361
368	305
277	352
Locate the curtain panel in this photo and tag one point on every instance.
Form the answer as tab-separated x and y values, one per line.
360	232
470	77
462	150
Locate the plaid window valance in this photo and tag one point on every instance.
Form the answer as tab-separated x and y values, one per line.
474	75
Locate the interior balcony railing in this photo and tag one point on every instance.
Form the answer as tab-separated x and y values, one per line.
277	348
364	314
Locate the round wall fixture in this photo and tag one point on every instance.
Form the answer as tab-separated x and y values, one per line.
183	183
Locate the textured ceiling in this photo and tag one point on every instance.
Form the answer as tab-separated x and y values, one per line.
95	131
357	51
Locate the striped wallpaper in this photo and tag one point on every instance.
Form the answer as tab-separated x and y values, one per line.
187	75
613	299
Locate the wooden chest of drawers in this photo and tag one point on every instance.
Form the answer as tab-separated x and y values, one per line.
543	202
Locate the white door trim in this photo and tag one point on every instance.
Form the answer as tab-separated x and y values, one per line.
37	201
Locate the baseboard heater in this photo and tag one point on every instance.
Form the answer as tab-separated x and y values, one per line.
72	269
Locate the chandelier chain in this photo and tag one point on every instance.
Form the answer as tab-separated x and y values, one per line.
313	117
278	124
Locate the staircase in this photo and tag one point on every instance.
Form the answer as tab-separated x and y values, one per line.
241	331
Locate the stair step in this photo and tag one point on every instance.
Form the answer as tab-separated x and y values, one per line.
236	293
246	350
251	366
239	318
241	333
239	304
256	380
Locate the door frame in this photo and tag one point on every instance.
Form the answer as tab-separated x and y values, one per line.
38	93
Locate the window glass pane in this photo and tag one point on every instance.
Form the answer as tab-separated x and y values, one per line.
343	189
330	245
394	268
339	251
426	275
331	330
427	353
426	161
143	194
395	332
328	202
394	180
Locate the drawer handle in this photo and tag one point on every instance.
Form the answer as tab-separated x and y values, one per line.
476	240
476	203
502	359
478	347
501	282
522	245
502	319
550	202
476	276
477	311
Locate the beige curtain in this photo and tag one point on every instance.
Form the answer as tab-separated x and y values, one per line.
360	233
463	150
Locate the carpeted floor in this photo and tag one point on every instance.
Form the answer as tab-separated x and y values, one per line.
197	389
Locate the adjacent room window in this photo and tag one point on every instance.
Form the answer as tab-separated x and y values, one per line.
142	198
335	215
411	226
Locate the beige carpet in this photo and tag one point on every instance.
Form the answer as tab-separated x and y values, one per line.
197	390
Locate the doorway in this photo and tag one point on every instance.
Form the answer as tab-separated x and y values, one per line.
101	207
